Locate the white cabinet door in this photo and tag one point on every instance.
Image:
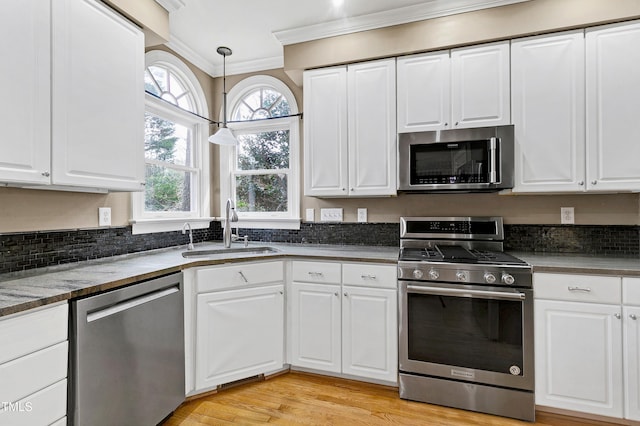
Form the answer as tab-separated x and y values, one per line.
548	112
370	333
372	128
239	334
25	87
613	102
631	327
315	326
97	97
578	353
480	82
325	132
424	92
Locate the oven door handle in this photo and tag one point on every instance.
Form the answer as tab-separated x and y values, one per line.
458	292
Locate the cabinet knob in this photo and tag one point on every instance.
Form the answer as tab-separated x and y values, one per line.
581	183
336	294
46	174
346	294
282	292
594	182
446	124
617	315
351	189
633	317
456	123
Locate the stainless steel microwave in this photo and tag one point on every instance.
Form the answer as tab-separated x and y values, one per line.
466	160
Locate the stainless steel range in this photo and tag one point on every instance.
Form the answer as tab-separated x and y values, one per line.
466	317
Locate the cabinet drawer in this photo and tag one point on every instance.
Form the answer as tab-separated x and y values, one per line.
369	275
316	272
245	274
579	288
41	408
33	330
28	374
631	291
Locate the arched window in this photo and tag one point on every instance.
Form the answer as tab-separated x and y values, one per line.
261	173
176	151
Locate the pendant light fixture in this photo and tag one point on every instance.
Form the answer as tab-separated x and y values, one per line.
224	136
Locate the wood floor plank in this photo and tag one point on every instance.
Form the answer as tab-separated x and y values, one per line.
307	399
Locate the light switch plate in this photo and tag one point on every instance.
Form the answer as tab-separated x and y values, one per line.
362	215
331	215
310	215
104	216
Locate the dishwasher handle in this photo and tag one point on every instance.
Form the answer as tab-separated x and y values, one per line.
130	303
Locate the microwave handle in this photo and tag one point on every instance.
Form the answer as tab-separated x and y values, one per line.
493	172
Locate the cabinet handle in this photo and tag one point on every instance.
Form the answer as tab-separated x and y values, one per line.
618	316
243	277
315	274
46	174
584	290
633	317
581	183
368	277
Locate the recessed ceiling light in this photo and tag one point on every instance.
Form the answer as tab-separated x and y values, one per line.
337	3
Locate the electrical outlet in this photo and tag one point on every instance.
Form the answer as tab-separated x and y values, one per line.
104	216
567	216
331	215
362	215
311	215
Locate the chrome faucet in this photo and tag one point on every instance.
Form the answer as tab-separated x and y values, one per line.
226	231
184	227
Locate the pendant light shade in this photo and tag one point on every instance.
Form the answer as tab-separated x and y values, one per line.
224	136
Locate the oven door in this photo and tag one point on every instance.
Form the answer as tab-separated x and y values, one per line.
468	333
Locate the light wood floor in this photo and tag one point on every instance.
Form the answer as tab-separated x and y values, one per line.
306	399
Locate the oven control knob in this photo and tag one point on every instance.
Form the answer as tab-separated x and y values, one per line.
434	275
489	278
417	274
461	276
508	279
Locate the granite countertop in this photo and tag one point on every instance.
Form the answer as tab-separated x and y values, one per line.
20	291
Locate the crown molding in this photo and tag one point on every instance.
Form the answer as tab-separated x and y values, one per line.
403	15
213	70
171	5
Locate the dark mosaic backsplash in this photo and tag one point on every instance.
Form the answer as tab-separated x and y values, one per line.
584	239
21	251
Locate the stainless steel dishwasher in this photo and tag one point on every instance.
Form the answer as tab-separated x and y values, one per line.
127	354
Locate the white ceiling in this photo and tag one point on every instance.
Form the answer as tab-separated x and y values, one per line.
257	30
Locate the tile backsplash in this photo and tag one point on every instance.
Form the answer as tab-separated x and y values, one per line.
22	251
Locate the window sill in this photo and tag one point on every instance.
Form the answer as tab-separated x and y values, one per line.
148	226
293	224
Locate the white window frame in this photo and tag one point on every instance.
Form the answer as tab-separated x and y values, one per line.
200	215
266	220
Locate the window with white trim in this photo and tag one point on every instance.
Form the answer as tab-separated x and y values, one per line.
176	149
261	174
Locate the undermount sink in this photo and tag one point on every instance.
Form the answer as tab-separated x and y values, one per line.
244	250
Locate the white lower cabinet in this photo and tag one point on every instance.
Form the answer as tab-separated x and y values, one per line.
33	366
587	341
344	319
234	323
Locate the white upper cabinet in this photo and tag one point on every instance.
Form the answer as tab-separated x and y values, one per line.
547	100
350	130
613	104
97	97
325	132
371	89
424	92
480	88
73	98
465	87
25	86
